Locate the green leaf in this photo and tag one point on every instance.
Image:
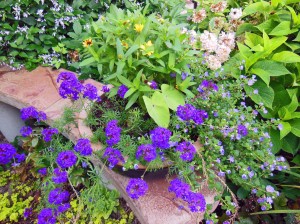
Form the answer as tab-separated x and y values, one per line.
171	62
242	193
290	144
132	100
296	160
132	49
276	212
295	124
265	94
253	40
34	142
262	7
266	68
172	96
158	109
283	29
124	81
87	61
120	52
267	26
286	57
77	27
130	92
275	138
286	129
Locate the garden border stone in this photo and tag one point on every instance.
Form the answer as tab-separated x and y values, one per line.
38	88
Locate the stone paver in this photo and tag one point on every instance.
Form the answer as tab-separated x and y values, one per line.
39	88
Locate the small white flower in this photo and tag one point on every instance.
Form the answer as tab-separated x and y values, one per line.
235	13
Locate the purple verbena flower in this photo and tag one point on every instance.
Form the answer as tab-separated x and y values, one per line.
242	130
47	216
105	89
63	208
187	151
112	132
70	88
27	212
66	159
136	188
20	157
26	131
160	137
43	171
84	147
66	76
59	176
196	202
180	188
199	116
7	152
113	156
48	132
185	112
90	91
153	85
58	196
122	91
207	85
147	151
29	113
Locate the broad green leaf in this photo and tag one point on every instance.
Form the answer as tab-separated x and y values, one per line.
262	7
87	61
286	129
77	27
242	193
124	81
295	18
295	124
130	92
253	39
275	138
286	57
294	104
266	68
172	96
158	109
265	94
267	26
290	143
283	29
244	51
132	100
294	46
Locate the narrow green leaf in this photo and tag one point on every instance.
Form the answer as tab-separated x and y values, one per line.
87	61
132	100
171	62
77	27
276	212
124	81
132	49
130	92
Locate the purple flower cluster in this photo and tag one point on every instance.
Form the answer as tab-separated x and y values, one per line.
66	159
91	92
242	130
27	212
160	137
196	201
47	216
113	156
188	112
58	196
207	85
26	131
59	176
112	132
105	89
48	132
7	153
153	85
136	188
122	91
84	147
147	151
43	171
187	151
71	87
63	208
32	113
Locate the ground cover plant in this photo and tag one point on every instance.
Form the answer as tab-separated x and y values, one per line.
207	88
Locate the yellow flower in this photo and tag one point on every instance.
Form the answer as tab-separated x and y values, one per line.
138	27
150	53
87	43
124	44
149	43
143	47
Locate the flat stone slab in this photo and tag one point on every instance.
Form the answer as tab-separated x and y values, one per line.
39	89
